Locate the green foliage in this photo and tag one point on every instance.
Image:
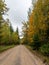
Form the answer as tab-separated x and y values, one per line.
25	32
14	38
45	49
36	43
3	7
11	29
7	35
18	38
37	33
3	48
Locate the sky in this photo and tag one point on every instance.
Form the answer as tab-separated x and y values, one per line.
18	12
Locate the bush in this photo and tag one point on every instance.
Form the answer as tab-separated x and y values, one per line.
45	49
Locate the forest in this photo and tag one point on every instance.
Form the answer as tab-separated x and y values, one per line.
8	37
35	31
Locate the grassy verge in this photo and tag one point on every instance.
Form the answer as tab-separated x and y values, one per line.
3	48
38	54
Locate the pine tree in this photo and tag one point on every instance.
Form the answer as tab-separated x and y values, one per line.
11	28
17	32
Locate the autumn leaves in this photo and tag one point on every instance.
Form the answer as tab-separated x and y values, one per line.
37	29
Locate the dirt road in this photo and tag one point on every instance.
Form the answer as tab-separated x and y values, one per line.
19	55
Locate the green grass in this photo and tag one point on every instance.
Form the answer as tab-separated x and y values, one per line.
3	48
38	54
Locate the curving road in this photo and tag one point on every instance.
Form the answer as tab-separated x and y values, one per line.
19	55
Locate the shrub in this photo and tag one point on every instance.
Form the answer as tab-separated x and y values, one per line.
45	49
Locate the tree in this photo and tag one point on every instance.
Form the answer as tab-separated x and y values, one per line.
6	34
25	32
41	19
18	38
14	38
11	29
3	9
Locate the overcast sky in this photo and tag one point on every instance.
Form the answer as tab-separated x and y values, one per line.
18	11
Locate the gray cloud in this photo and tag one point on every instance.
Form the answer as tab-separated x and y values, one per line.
18	11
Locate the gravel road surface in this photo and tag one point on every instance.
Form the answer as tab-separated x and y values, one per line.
19	55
